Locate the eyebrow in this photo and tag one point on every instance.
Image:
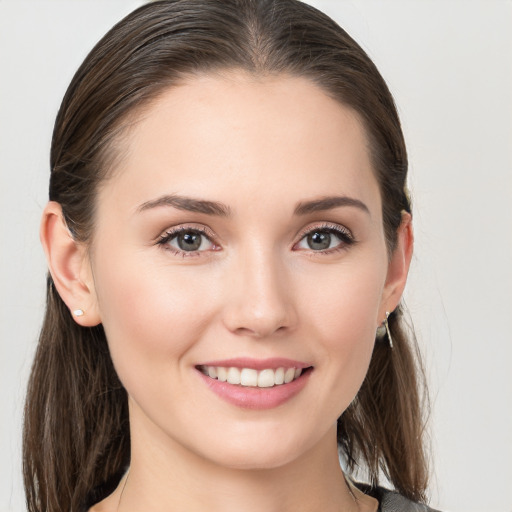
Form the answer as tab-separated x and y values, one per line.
327	203
188	204
215	208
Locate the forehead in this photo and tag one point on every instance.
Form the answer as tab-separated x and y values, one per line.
216	134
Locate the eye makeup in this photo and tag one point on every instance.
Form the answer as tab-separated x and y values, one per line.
193	240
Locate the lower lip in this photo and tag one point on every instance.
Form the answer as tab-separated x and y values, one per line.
253	397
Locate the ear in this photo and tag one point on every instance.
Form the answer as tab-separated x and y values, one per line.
69	266
398	266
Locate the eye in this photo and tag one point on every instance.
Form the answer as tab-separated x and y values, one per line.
186	240
325	238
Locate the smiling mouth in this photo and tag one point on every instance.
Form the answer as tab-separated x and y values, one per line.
249	377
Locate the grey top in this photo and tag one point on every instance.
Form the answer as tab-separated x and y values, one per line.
392	501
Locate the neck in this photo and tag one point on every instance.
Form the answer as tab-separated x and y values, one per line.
168	477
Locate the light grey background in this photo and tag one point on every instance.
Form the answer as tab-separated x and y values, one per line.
449	65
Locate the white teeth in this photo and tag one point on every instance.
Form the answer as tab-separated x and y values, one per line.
233	376
289	374
266	379
279	378
249	377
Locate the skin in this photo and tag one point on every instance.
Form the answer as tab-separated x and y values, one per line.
260	146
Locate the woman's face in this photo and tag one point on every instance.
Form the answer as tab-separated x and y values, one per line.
241	237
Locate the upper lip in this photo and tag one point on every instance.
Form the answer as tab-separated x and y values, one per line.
258	364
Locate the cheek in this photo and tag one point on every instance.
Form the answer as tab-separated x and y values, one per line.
344	317
346	302
151	316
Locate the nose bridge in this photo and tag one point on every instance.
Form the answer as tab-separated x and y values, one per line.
259	299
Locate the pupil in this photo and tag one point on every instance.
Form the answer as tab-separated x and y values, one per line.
319	241
189	241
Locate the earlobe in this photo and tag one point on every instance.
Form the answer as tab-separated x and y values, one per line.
69	267
399	263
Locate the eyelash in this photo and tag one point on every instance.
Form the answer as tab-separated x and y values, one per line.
345	236
165	238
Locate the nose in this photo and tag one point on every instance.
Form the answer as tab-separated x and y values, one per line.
260	300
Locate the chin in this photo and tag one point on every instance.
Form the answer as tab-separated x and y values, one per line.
259	451
252	459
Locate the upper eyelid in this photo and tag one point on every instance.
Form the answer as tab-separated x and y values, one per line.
175	230
324	226
208	231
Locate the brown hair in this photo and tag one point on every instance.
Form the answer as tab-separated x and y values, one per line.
76	432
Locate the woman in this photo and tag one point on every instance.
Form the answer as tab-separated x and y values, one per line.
228	237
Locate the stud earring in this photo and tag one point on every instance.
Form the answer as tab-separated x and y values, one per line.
78	312
383	330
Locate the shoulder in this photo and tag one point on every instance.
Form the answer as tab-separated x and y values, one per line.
392	501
